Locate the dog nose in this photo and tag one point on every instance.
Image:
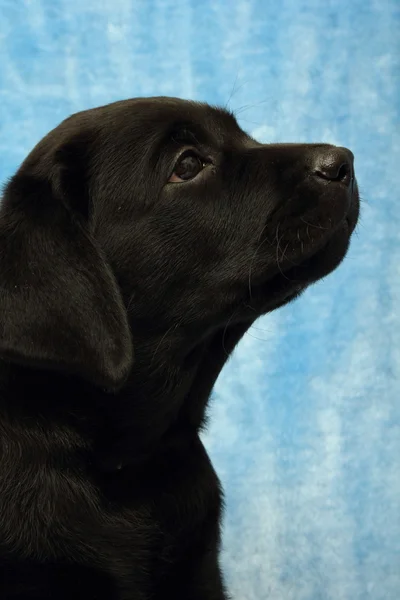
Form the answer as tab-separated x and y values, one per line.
334	164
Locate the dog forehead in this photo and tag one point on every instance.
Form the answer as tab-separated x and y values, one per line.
175	108
159	114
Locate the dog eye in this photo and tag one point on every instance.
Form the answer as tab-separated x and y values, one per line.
187	167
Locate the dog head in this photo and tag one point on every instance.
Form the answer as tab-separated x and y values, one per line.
160	219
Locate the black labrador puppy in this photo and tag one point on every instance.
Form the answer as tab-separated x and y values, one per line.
138	243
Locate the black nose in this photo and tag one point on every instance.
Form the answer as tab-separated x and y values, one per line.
334	164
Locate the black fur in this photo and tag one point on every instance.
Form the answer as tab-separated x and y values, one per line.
122	295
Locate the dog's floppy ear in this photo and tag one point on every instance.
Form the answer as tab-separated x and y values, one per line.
60	305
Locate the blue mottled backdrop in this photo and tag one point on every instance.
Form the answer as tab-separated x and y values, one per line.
306	417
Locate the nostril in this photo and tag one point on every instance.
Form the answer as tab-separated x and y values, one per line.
344	172
341	173
335	164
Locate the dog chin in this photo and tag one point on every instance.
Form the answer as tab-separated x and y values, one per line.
291	282
325	260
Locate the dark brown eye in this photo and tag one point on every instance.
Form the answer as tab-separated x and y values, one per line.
188	166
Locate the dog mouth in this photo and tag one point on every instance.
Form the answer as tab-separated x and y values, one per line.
305	265
321	262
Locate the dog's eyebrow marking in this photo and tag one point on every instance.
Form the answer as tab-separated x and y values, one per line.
179	133
184	134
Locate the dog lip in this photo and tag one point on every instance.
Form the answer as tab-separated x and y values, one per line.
296	277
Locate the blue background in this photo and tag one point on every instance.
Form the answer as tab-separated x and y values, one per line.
306	416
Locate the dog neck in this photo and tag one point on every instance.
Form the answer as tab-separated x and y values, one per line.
162	402
165	400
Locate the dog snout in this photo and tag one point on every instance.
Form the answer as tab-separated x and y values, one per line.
334	164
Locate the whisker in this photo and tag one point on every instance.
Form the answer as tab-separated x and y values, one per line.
241	109
261	329
254	256
284	252
131	299
235	91
255	337
174	326
313	225
232	92
226	328
278	243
